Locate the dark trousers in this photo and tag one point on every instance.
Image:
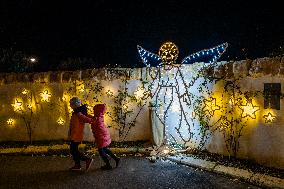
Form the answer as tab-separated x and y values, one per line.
104	152
76	154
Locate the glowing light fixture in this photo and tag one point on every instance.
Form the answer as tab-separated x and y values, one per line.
269	118
10	121
60	121
32	59
18	105
248	110
168	53
45	96
210	106
25	91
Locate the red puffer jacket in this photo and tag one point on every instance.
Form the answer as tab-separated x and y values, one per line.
76	129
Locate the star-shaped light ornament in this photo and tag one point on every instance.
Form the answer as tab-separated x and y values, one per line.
45	96
248	110
18	105
25	91
210	106
60	121
10	121
269	118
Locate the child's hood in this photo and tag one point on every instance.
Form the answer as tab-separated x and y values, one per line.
99	110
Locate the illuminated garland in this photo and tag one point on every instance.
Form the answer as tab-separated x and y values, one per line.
168	82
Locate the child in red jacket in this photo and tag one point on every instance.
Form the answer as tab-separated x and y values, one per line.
102	136
76	131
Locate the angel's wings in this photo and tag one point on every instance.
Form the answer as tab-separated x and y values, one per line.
148	58
207	55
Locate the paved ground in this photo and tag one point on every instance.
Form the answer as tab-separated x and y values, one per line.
133	172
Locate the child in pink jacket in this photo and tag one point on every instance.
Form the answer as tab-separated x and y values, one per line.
76	131
102	136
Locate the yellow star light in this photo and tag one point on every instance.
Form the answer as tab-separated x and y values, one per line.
249	110
210	106
10	121
60	121
45	96
17	105
25	91
269	118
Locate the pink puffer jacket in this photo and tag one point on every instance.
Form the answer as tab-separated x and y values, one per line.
101	133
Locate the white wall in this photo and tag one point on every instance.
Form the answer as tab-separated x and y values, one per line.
260	141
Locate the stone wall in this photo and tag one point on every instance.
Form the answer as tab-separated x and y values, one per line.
45	115
260	141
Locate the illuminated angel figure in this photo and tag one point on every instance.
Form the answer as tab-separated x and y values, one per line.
170	84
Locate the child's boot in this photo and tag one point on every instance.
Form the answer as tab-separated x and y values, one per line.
76	167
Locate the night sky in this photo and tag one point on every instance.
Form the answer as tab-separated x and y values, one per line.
108	31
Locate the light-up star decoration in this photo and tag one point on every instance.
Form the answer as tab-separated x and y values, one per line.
210	106
269	118
45	96
60	121
18	105
25	91
249	110
168	82
10	121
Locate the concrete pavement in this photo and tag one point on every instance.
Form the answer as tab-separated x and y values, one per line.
256	178
133	172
